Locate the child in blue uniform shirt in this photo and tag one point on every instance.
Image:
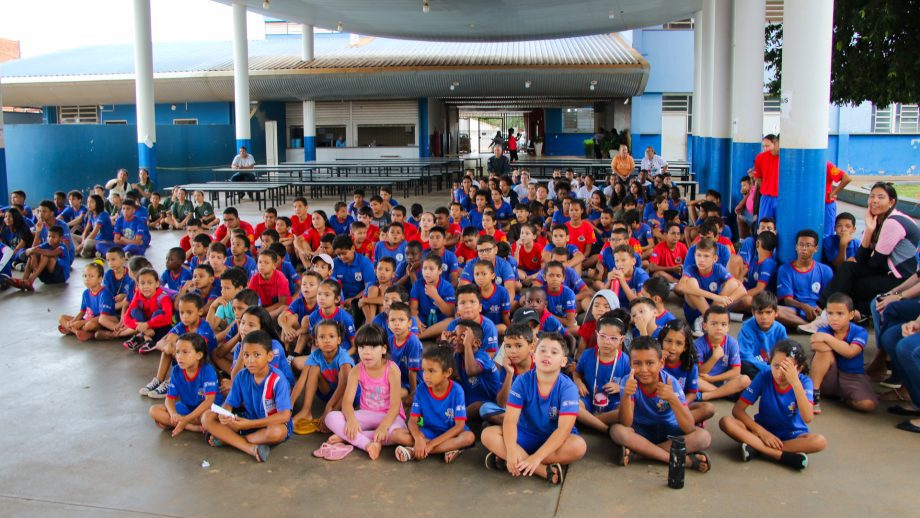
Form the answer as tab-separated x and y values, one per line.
405	349
719	358
560	301
833	253
596	374
193	388
392	244
496	304
97	308
392	295
758	334
437	420
680	361
131	231
325	373
706	283
263	394
176	274
478	374
837	368
799	283
538	435
779	431
469	307
432	298
47	262
117	282
652	409
761	270
516	359
328	297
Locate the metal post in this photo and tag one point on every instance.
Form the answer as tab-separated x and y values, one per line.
720	109
241	76
309	130
748	20
306	52
143	85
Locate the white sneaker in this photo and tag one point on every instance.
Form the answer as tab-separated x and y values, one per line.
736	317
697	327
816	324
6	256
160	391
154	383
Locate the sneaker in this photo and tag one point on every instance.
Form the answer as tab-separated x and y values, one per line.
697	327
816	324
736	317
147	346
6	256
160	391
747	453
154	383
890	383
495	463
133	343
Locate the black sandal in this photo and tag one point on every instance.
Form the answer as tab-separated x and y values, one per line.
696	462
555	474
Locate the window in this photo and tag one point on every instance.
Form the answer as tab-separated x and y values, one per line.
115	123
185	122
678	103
377	135
680	25
88	114
771	105
774	11
896	118
327	135
578	120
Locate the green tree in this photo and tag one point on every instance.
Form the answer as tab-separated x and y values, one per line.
874	54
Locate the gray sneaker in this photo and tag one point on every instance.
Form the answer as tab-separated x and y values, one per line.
697	327
160	391
146	389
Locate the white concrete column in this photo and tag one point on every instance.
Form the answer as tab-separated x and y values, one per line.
309	130
697	108
143	86
806	86
241	76
306	52
720	109
705	114
748	22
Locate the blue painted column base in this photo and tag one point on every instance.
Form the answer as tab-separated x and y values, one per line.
720	168
423	127
147	158
800	204
743	154
4	183
244	142
702	172
309	149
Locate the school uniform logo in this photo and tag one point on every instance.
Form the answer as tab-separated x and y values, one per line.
581	239
444	268
493	308
663	406
400	257
449	414
791	408
553	413
359	277
678	260
713	286
816	287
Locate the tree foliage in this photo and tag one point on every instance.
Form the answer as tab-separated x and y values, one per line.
874	52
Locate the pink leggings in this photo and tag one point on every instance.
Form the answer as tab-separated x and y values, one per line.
369	421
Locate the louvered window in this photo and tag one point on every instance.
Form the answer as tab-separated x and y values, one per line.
85	114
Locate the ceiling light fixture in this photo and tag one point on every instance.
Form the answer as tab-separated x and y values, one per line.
339	27
454	85
526	84
425	7
265	4
611	15
593	84
626	101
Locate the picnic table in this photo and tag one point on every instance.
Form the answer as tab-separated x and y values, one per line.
262	192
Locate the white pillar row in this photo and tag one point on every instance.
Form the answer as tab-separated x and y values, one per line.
697	107
143	87
306	52
241	76
748	22
705	114
804	107
309	130
720	109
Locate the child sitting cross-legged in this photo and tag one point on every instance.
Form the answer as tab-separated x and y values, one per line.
437	421
680	362
779	431
719	358
652	409
538	435
97	309
517	350
596	374
192	387
324	374
147	319
265	397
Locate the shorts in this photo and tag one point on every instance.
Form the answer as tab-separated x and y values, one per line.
55	276
657	433
431	433
767	207
489	409
183	409
847	386
528	441
830	214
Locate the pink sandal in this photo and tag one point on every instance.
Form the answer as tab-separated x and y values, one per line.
323	450
338	451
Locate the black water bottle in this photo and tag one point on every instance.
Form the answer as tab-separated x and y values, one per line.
676	463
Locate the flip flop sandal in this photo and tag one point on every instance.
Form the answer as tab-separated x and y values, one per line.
339	451
554	474
625	456
404	453
695	461
899	410
451	456
322	451
262	452
306	426
495	463
213	441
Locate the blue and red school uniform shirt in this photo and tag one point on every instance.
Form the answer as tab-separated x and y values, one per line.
713	282
483	386
96	304
561	303
855	335
191	392
802	285
339	315
778	410
439	414
329	369
651	410
407	355
688	377
496	303
427	309
595	374
260	399
730	360
203	330
175	281
540	414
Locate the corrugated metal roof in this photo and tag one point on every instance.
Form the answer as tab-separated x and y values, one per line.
333	51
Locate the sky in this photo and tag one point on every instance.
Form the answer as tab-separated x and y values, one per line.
44	26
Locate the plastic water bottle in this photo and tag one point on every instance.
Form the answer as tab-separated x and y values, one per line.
676	462
432	317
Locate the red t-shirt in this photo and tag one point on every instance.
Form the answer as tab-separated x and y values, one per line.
260	228
454	230
833	175
366	248
314	236
766	167
530	261
583	236
270	291
373	233
588	332
667	258
222	231
298	226
497	234
464	252
186	243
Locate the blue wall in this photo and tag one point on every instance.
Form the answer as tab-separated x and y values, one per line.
558	143
42	159
670	54
206	113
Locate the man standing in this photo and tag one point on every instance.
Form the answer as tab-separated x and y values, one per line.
766	175
245	163
498	163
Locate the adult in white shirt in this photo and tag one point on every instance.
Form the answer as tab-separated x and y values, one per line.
585	191
653	163
118	185
522	186
246	162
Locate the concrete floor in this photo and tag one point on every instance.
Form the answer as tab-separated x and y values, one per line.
78	442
